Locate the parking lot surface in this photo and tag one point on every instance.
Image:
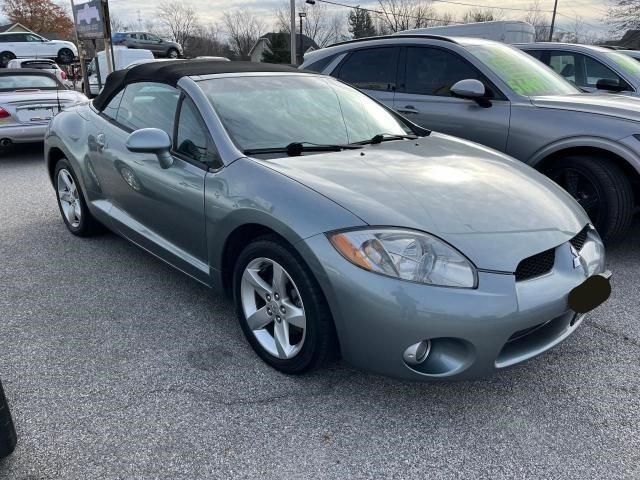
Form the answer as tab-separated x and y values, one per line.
117	366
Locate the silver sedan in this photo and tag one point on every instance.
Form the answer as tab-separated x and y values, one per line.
343	230
29	98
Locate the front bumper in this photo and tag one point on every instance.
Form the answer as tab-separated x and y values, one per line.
473	332
23	133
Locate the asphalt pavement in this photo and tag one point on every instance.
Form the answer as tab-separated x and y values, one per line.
118	367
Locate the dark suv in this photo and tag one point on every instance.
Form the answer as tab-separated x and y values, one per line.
148	41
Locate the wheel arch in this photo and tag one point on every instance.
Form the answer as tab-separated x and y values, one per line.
619	154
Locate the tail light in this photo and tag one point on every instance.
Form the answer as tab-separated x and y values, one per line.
63	74
4	113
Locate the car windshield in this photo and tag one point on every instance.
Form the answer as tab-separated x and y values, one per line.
625	63
524	74
274	111
19	82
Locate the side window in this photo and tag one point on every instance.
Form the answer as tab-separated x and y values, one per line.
192	139
111	110
537	54
148	105
595	71
320	65
32	38
133	35
432	71
371	69
565	64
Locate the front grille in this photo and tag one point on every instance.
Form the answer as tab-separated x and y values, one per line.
580	239
523	333
536	265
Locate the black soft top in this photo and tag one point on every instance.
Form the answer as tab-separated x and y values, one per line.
172	71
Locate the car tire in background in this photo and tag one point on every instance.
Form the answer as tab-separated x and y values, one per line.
71	201
601	187
311	337
173	53
65	56
5	58
8	437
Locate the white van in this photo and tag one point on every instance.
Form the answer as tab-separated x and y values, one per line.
123	58
505	31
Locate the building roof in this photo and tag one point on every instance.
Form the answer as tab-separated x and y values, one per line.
307	42
170	72
13	26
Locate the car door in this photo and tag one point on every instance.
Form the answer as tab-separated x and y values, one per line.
424	96
153	43
162	210
20	47
373	70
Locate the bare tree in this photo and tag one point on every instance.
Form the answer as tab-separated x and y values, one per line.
322	26
625	15
398	15
482	15
243	30
120	25
180	20
207	41
540	21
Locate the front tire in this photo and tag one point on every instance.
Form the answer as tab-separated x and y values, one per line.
281	308
7	430
601	188
71	201
173	53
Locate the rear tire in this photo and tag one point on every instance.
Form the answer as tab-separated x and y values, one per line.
65	56
72	203
8	435
5	58
316	342
603	190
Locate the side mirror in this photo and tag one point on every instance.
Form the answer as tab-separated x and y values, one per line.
610	85
152	140
471	89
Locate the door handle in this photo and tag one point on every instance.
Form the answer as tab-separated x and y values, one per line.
408	109
100	142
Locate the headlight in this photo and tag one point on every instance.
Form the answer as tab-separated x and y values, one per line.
406	254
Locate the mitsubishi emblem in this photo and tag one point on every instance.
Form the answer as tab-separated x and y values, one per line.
576	257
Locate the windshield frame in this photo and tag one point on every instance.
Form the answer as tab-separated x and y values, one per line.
412	128
502	81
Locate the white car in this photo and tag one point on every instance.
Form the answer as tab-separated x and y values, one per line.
42	64
30	45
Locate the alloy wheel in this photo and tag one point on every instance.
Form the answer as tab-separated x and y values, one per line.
69	198
273	308
582	189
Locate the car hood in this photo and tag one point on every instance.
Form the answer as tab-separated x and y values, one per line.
620	106
494	209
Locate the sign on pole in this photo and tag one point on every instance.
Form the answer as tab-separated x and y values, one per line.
88	20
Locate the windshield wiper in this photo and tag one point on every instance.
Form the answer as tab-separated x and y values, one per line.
381	137
296	149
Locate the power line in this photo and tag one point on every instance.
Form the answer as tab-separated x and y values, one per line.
453	2
381	12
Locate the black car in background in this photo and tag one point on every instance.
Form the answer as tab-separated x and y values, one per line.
7	430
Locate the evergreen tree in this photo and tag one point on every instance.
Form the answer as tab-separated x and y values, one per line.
361	24
278	51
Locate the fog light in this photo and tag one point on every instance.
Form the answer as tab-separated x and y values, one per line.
417	353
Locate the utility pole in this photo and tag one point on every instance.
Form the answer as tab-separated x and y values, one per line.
553	20
301	54
292	27
108	48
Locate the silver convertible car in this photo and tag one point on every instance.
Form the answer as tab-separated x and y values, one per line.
338	226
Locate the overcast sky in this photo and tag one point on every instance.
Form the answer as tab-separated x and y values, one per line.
591	12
